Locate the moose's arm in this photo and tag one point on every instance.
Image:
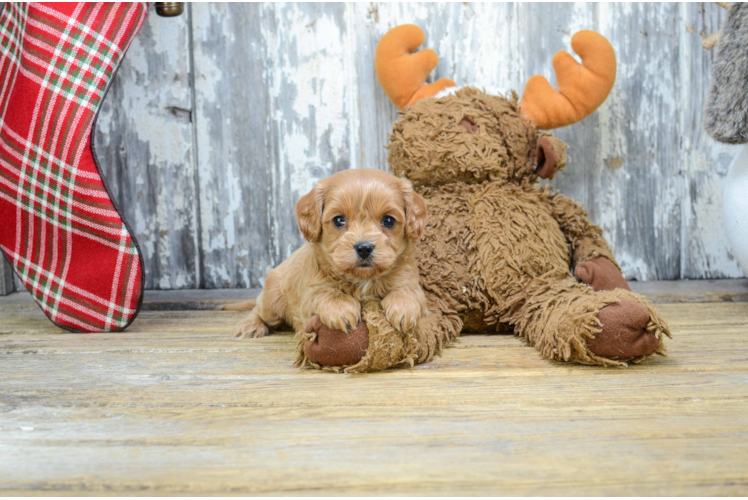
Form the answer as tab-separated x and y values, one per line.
591	259
585	238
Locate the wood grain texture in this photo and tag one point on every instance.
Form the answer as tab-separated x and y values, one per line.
659	292
144	144
6	277
273	110
705	249
235	153
175	406
286	94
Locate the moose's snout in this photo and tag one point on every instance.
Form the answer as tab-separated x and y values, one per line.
469	126
364	249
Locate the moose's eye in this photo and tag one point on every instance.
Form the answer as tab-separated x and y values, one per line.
338	221
388	221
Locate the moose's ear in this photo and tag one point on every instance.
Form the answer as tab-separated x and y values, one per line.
415	212
309	214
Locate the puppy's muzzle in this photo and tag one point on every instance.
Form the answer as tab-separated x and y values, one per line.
363	249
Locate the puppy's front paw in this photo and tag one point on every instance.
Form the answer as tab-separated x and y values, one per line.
340	313
251	327
402	311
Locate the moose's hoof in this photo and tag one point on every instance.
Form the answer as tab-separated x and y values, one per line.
335	347
600	274
624	332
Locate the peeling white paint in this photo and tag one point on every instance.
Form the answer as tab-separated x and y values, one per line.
149	125
325	111
308	88
634	267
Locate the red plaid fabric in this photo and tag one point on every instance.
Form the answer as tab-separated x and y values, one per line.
58	226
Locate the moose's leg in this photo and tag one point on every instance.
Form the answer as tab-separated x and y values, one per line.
374	344
601	274
591	258
569	321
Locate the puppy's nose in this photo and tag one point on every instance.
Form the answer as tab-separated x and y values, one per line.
363	249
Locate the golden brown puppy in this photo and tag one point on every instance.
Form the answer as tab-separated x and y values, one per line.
361	226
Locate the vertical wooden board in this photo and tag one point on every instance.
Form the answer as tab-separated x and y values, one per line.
705	248
477	45
6	272
19	286
634	187
274	106
287	94
375	111
641	126
234	150
144	144
309	76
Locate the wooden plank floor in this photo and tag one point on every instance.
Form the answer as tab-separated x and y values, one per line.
175	406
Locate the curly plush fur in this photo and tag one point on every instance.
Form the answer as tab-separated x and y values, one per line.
430	146
726	111
498	250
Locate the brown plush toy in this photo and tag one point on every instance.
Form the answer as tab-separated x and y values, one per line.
498	250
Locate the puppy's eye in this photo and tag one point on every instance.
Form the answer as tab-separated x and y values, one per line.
388	221
338	221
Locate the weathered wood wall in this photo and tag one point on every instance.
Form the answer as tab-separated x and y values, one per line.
219	120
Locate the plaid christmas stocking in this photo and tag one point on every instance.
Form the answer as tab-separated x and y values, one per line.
58	226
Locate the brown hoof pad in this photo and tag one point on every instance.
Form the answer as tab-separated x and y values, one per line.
335	347
601	274
624	334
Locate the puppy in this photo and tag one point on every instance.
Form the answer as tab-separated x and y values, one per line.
361	226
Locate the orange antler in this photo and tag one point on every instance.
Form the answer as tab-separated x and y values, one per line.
401	71
581	87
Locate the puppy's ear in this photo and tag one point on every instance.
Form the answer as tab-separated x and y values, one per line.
415	212
309	214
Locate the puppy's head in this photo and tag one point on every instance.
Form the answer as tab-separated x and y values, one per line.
362	220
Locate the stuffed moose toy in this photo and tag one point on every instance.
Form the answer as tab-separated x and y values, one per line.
499	252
